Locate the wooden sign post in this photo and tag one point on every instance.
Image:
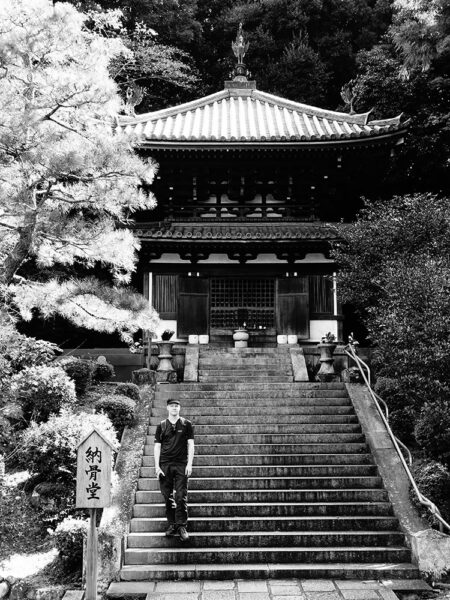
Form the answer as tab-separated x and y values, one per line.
94	463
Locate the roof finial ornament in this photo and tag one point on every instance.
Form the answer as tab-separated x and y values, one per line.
240	75
240	47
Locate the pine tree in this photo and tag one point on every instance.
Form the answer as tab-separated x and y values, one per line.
68	182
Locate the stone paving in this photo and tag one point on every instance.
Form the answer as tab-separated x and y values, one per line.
267	589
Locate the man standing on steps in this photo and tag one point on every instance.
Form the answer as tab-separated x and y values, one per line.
174	454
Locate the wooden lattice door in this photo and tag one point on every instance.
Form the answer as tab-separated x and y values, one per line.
237	299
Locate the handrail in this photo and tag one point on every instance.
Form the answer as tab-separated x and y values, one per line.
364	369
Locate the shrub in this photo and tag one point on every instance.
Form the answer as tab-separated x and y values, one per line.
433	480
30	352
128	389
120	409
102	371
433	429
80	371
42	390
50	449
18	351
69	537
23	526
402	414
7	435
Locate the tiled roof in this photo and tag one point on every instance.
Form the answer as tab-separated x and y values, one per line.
246	116
233	231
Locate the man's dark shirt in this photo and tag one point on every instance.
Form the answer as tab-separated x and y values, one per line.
174	440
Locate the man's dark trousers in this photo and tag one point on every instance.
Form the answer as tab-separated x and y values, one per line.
175	478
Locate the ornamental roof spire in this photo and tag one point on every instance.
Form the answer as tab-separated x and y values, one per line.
240	73
240	46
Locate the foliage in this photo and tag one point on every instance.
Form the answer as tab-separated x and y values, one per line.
408	71
68	537
103	371
167	334
433	481
300	74
50	449
68	181
400	395
433	429
42	391
23	525
151	70
7	435
384	232
328	338
18	351
395	268
80	371
120	409
128	389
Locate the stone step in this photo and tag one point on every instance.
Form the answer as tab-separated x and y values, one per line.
273	495
258	390
272	460
269	429
264	539
262	420
274	438
364	554
299	386
210	351
253	369
263	510
253	399
270	412
275	524
230	365
247	379
265	570
271	471
271	483
275	448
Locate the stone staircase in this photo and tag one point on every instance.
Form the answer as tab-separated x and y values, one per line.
284	484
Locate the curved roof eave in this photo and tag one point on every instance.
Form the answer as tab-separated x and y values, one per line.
255	144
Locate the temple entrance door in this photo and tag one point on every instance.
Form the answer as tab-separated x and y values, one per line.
193	306
245	299
293	306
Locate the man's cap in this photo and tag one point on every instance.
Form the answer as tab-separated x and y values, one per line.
173	401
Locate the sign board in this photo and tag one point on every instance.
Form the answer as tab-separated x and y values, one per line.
94	462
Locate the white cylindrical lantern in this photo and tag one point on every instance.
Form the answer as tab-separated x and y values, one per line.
203	339
193	339
282	339
292	339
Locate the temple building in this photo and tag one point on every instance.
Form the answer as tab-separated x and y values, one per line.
248	189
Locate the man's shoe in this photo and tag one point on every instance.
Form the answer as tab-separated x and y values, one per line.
184	536
171	530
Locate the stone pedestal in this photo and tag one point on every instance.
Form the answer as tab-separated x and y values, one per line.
326	371
165	357
166	376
